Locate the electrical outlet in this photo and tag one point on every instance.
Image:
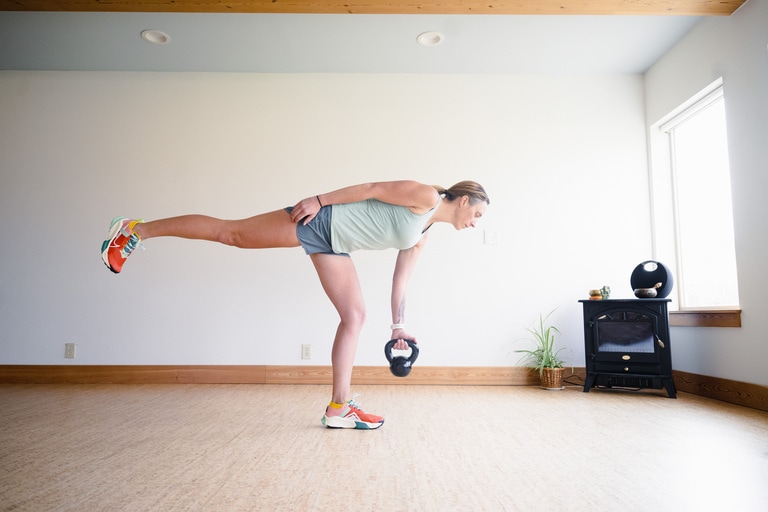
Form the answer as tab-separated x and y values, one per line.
69	350
306	351
492	237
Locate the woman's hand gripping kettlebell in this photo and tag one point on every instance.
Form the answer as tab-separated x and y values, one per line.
400	366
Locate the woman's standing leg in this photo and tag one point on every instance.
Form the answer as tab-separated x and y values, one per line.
338	277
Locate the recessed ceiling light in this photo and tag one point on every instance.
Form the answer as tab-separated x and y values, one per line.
155	37
430	38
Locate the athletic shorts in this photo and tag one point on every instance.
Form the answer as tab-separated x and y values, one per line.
315	237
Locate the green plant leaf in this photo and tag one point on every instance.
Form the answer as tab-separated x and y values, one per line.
544	354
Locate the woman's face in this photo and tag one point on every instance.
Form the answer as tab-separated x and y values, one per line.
467	215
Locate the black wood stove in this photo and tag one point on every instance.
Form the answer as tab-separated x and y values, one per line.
627	345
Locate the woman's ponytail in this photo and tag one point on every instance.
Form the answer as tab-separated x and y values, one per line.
472	189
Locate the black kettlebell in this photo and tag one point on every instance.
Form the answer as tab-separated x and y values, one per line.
400	366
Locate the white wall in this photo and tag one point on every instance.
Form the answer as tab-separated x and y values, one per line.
562	157
734	48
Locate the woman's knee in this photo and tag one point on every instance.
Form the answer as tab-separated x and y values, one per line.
229	234
354	317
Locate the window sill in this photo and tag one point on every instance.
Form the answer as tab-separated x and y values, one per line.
723	318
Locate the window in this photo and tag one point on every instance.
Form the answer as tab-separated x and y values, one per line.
693	215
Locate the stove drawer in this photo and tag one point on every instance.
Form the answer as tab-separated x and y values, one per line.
629	368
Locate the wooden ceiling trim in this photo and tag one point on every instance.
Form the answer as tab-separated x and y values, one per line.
567	7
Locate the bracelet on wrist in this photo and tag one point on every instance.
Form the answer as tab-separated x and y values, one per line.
319	202
396	326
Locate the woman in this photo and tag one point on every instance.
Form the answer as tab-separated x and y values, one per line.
328	226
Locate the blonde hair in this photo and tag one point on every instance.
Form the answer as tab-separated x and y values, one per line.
472	189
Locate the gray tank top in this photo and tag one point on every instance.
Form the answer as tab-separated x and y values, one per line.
372	224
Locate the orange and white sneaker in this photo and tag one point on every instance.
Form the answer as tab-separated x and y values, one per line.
120	244
350	416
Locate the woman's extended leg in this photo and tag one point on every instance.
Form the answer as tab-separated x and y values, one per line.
340	282
268	230
274	229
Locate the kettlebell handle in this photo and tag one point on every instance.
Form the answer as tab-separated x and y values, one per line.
412	344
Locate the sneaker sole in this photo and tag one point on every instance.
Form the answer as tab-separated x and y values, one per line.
114	229
348	423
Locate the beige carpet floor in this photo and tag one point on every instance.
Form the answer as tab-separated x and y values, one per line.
442	448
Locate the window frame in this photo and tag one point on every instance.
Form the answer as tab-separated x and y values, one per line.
663	205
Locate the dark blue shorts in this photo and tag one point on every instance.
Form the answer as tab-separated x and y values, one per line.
315	237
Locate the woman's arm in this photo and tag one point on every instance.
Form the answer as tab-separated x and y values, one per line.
404	266
417	197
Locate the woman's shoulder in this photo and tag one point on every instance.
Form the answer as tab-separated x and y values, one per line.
423	198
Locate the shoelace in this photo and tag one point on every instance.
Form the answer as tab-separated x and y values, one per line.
131	244
353	403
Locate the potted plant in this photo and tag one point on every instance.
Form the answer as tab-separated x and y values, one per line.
544	357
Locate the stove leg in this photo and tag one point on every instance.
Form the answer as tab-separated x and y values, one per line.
669	384
589	382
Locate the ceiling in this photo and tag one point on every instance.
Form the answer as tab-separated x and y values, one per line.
626	7
315	36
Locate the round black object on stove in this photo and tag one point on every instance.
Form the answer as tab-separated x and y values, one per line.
650	272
